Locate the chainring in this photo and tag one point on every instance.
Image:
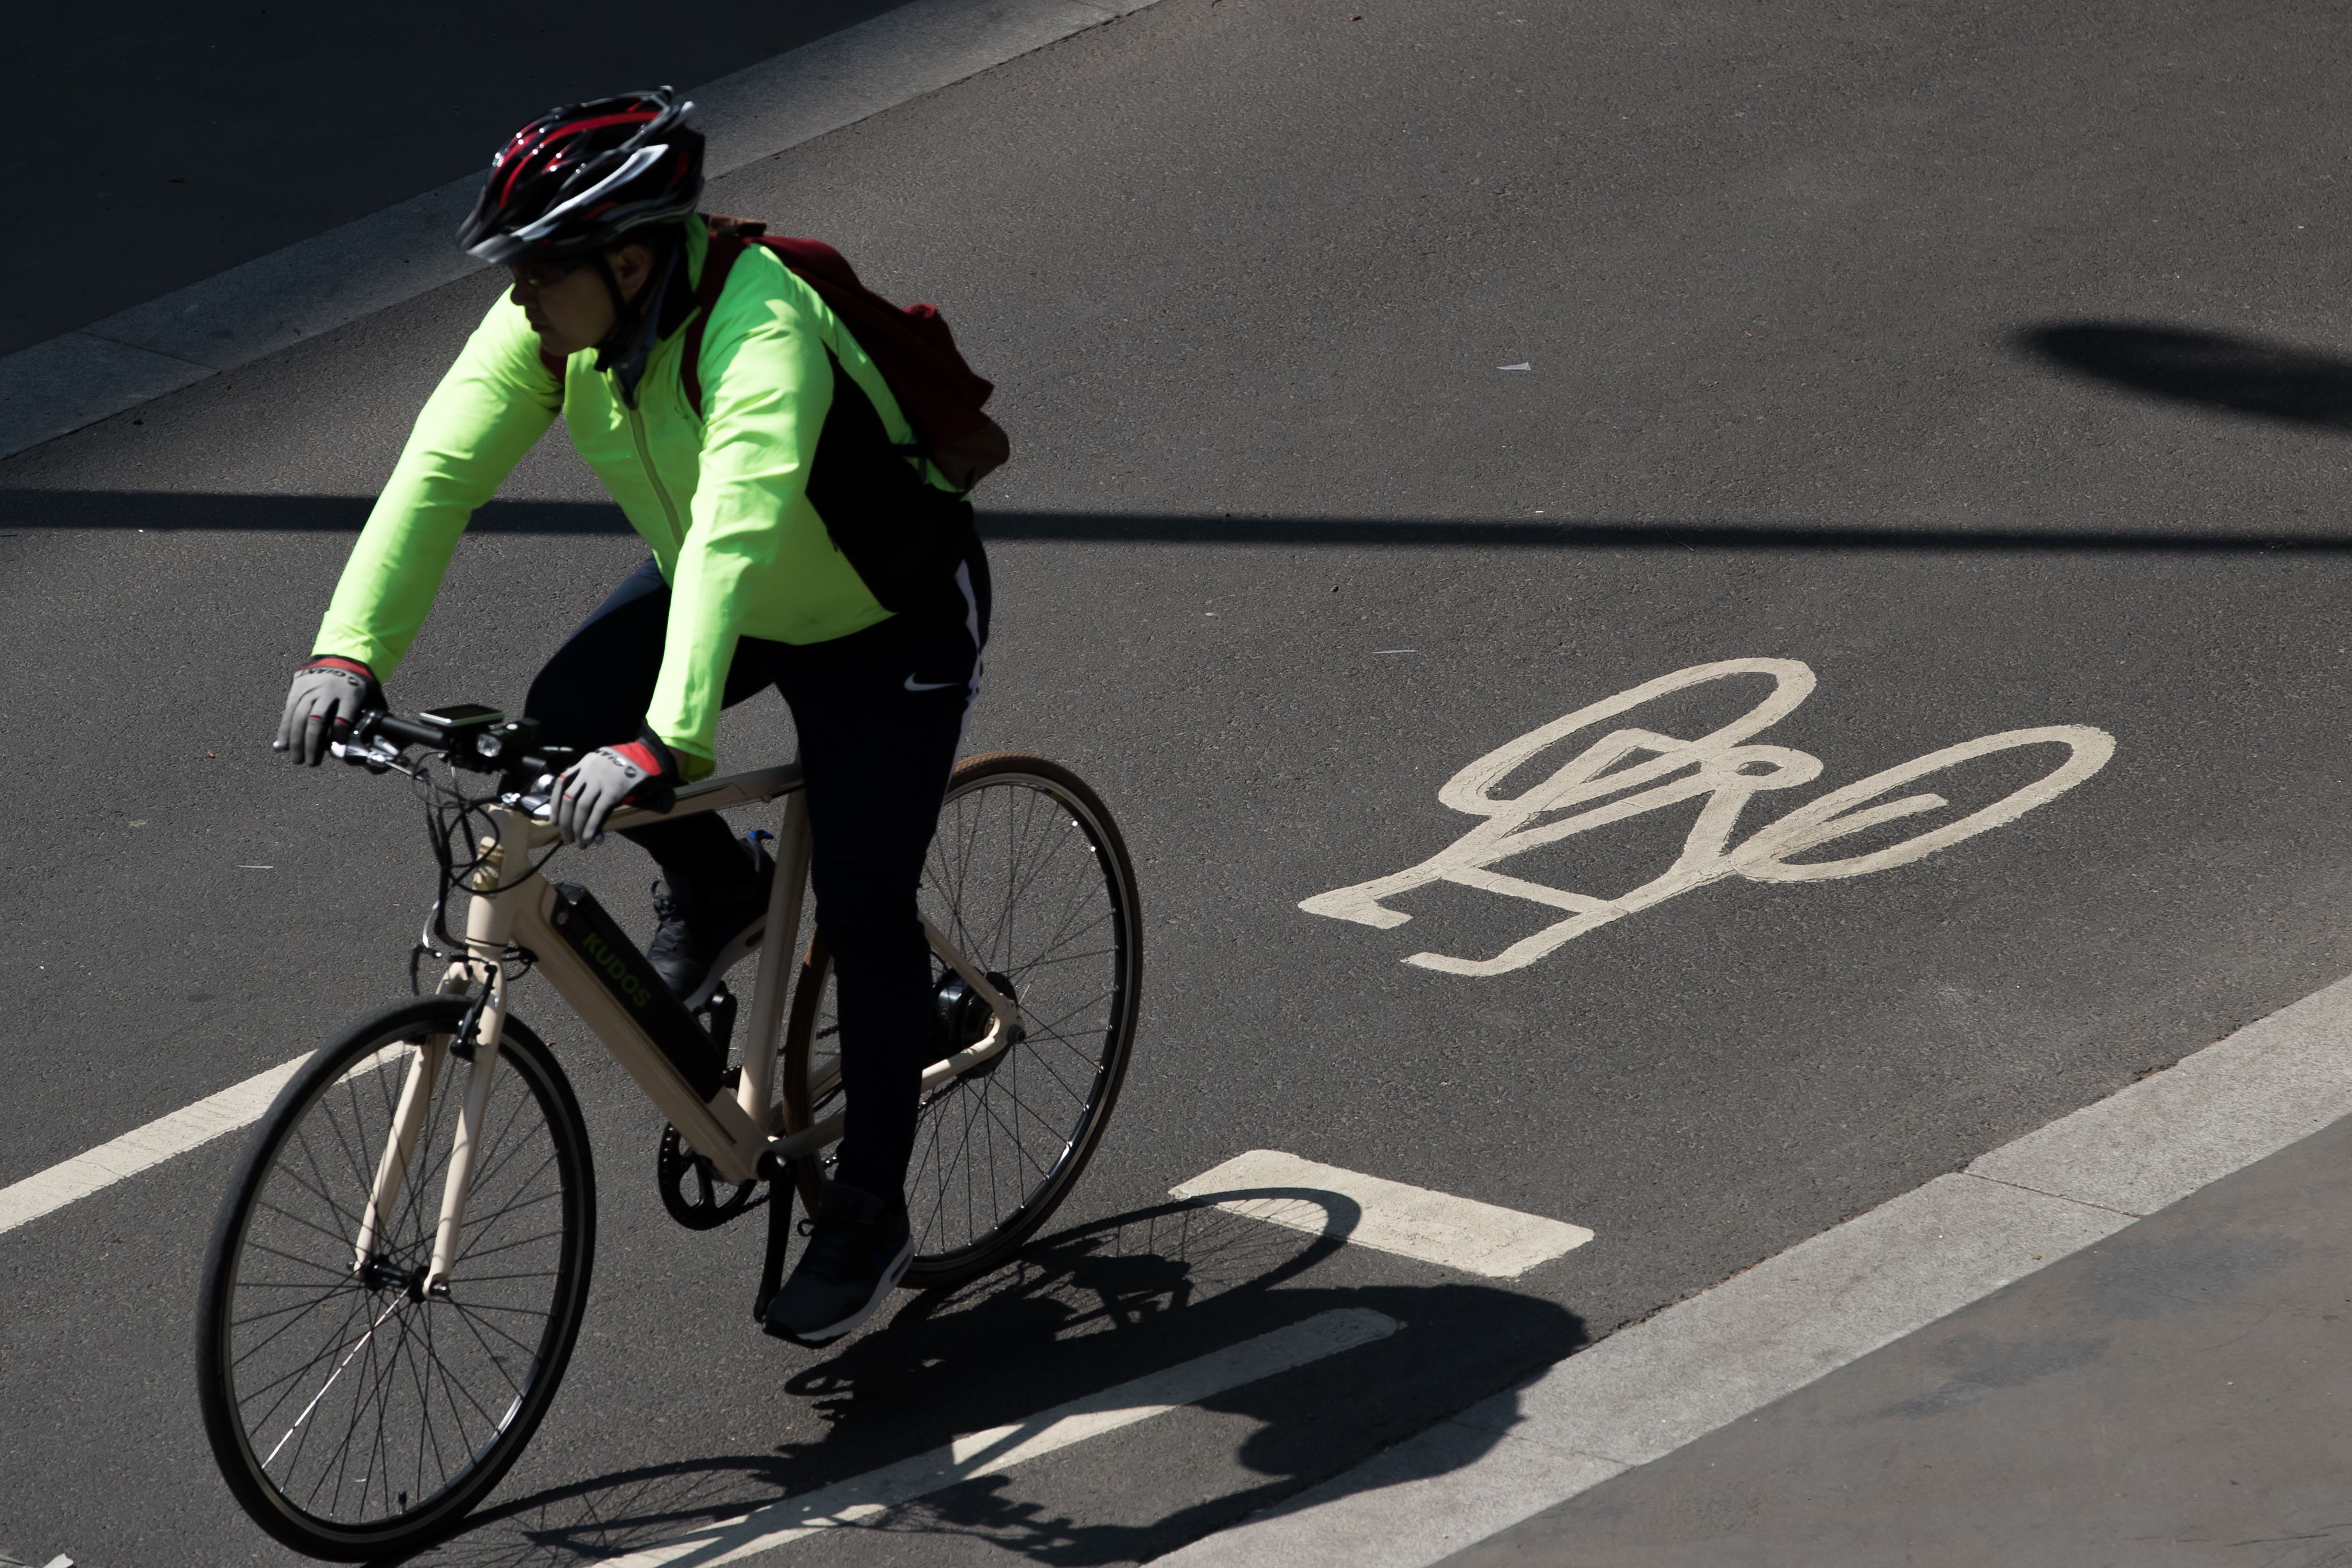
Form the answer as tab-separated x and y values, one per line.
692	1192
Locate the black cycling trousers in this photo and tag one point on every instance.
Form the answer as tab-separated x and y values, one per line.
880	714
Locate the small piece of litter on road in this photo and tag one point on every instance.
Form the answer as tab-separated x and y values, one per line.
1396	649
1521	366
256	868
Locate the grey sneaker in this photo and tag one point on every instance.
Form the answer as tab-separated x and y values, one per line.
858	1250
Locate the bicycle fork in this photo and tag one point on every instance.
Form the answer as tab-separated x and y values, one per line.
486	940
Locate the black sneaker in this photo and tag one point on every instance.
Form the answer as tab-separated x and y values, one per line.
698	940
857	1250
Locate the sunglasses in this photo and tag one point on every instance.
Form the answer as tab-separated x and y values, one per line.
543	273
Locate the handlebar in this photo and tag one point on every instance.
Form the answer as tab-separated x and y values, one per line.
477	738
399	731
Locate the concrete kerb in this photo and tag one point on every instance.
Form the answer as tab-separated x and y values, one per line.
1649	1389
79	378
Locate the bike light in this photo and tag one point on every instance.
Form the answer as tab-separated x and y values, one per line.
483	738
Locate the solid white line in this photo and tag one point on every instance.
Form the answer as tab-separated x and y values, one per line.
1649	1389
1000	1448
239	1105
1386	1215
331	279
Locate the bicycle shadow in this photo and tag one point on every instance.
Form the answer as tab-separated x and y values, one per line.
1079	1317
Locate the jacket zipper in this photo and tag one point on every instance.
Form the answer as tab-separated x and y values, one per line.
653	477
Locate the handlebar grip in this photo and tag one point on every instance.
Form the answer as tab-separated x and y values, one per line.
550	759
403	732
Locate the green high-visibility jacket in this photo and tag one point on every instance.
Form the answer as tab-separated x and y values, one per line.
722	499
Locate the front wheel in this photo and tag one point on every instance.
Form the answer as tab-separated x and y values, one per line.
1028	877
355	1410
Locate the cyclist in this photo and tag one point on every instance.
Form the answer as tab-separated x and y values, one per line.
802	537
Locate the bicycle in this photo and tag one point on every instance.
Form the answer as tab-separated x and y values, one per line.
399	1269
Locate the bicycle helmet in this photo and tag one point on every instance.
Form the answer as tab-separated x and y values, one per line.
572	181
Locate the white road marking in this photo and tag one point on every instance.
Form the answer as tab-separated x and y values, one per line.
1665	772
1386	1215
1770	1330
1000	1448
214	1116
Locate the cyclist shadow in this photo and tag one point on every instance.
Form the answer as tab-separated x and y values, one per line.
1110	1318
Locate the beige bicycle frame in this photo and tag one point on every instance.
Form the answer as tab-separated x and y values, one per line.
735	1129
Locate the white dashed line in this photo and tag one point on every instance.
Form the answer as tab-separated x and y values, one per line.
1000	1448
1386	1215
240	1106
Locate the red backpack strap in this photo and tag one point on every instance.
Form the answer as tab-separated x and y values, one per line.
939	394
729	237
912	347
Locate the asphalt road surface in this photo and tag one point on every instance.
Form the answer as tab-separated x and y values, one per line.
173	142
1984	361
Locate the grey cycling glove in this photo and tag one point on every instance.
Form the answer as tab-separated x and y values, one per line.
328	697
594	786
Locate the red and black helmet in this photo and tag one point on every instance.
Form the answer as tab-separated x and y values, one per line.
572	181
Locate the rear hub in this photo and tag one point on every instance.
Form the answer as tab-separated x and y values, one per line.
961	1018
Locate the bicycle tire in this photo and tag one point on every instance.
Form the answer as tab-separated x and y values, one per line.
1100	1042
292	1210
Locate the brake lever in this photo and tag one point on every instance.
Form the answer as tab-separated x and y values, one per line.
375	757
537	801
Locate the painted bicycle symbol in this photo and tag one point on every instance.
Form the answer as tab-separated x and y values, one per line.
1628	772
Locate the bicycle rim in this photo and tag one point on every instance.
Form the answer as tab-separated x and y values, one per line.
1028	877
353	1413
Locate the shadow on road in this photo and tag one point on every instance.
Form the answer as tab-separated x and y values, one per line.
32	510
2211	370
1082	1312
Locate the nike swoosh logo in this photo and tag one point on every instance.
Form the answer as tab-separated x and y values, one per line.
915	685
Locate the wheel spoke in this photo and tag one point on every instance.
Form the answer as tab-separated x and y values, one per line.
996	1147
359	1403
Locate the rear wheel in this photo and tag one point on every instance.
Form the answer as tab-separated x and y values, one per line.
1028	877
354	1412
